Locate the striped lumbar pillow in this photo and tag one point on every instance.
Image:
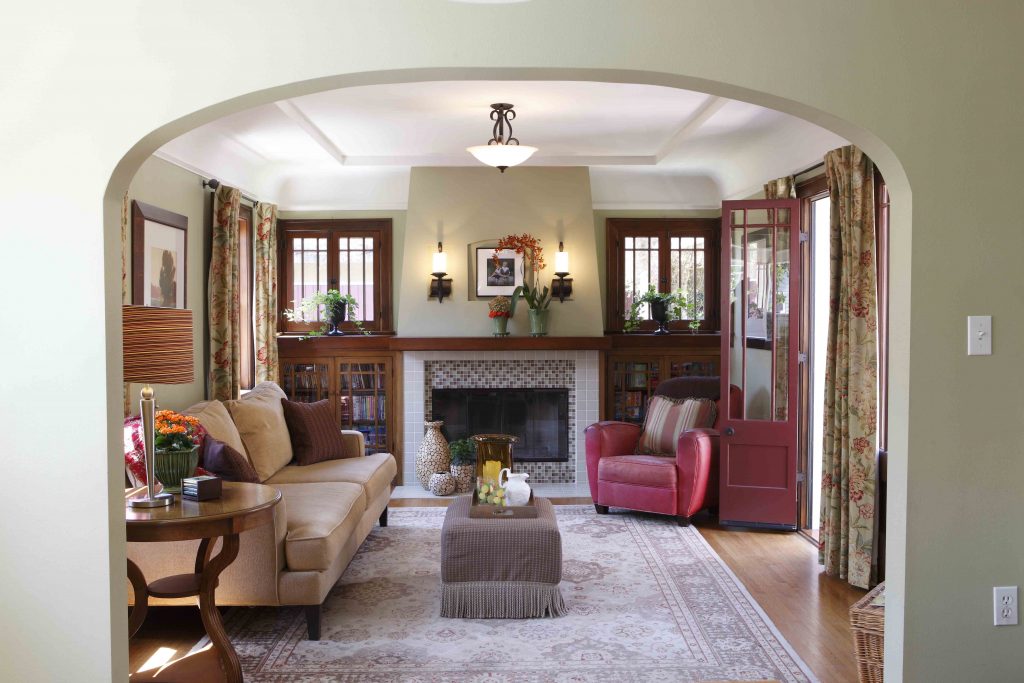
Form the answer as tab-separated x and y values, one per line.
667	418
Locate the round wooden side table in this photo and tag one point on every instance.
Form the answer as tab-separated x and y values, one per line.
240	507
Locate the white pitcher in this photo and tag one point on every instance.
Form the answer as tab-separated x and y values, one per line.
517	491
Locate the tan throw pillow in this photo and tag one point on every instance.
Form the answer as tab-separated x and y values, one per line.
260	422
315	433
215	419
667	418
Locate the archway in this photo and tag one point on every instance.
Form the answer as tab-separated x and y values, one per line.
877	149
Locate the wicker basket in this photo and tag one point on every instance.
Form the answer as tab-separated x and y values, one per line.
867	621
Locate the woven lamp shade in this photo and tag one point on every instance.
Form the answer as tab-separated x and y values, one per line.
157	345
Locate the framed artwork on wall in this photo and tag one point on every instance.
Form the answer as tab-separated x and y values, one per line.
494	278
159	256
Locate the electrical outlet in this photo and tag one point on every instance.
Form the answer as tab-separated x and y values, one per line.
1004	603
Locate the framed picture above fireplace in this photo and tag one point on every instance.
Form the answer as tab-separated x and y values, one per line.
495	277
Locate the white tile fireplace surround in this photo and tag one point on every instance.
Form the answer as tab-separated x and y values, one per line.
576	371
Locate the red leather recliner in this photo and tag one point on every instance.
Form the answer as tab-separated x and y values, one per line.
679	486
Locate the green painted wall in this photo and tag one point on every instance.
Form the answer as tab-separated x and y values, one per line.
173	188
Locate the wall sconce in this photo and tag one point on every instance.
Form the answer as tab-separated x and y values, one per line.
440	287
562	287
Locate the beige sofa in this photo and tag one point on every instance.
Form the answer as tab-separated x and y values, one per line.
326	511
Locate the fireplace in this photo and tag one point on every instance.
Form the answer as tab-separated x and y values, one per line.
539	417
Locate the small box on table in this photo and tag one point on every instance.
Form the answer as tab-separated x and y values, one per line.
201	488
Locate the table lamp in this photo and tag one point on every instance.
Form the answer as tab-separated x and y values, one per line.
157	350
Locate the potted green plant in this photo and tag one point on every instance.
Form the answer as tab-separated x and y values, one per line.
463	464
176	448
660	304
337	308
537	300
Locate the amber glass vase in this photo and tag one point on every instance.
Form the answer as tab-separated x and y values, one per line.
493	448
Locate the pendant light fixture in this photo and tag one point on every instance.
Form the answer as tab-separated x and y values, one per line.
501	151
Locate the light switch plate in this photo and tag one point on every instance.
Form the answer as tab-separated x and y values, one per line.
979	335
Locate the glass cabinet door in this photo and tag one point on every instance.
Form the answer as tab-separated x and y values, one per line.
363	400
306	381
633	383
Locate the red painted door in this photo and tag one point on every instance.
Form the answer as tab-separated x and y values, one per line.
760	336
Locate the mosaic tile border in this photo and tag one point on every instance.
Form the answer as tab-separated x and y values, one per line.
583	388
512	374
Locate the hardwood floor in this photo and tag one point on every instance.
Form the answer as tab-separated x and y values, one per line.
811	610
780	570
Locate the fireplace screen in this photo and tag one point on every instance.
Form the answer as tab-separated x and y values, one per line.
539	417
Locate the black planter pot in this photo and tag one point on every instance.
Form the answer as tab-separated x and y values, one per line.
659	314
335	317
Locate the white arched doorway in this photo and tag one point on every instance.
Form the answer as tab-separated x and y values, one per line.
876	148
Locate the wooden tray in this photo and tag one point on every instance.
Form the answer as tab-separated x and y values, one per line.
480	510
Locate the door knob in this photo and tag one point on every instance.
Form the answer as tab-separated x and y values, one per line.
729	431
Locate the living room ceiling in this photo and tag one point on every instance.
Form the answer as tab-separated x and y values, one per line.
648	147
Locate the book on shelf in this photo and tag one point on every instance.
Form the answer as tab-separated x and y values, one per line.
368	408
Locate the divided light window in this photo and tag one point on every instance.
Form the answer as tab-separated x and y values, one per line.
352	256
670	254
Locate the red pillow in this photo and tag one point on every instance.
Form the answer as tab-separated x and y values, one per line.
314	432
227	463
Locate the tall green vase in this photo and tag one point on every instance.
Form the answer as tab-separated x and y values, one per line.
538	322
173	466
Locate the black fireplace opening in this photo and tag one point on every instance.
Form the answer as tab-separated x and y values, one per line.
539	417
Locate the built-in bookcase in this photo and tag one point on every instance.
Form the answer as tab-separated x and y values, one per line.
633	377
361	390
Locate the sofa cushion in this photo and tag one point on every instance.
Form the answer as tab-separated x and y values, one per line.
314	431
321	518
227	463
667	418
373	472
655	471
261	424
216	420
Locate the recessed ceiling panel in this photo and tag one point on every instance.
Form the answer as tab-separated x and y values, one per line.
562	118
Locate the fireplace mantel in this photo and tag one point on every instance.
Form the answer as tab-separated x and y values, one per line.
357	342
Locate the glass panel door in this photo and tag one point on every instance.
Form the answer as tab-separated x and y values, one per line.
758	447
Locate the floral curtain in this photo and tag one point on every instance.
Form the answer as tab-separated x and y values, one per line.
223	289
780	188
851	374
265	294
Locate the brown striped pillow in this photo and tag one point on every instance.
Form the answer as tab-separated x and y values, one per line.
315	434
667	418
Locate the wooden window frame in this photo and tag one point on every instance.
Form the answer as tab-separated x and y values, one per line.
380	229
617	229
808	192
247	335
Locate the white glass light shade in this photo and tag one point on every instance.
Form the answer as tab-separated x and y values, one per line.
440	262
561	262
502	155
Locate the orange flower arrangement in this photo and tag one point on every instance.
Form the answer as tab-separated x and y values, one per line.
525	244
176	432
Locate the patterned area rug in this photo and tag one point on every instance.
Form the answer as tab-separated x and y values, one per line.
647	601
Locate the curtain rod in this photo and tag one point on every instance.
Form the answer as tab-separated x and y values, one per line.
809	168
213	184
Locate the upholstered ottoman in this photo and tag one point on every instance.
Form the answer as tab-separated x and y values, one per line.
500	568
